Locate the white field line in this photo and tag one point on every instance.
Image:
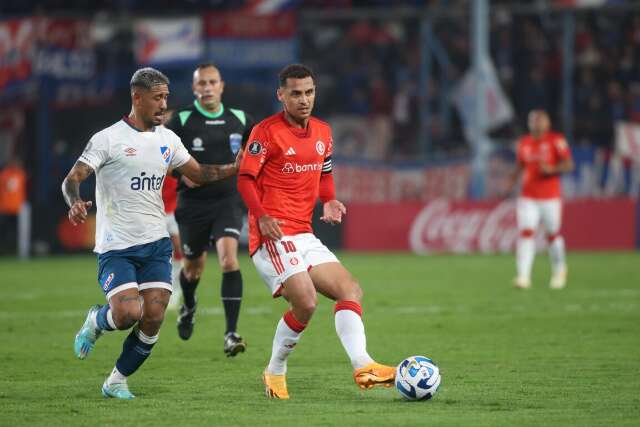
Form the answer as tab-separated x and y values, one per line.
427	309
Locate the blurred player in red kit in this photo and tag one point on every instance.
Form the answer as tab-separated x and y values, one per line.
542	156
170	200
285	168
169	197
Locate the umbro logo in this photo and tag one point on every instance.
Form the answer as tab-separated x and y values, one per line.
130	151
290	152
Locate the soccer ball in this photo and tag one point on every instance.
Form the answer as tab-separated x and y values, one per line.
417	378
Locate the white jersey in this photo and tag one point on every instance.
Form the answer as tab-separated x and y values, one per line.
130	167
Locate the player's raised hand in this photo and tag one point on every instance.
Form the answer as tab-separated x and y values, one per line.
270	227
78	212
332	212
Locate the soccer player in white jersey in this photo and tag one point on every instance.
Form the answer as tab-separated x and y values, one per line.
130	159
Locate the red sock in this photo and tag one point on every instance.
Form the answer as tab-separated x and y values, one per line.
348	305
293	323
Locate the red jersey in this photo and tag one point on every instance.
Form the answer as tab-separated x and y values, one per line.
551	149
169	193
286	163
13	190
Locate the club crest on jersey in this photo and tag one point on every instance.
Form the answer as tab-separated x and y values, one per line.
255	148
166	153
320	147
235	141
196	144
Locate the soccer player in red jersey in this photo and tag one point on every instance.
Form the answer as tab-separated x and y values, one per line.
285	168
169	197
542	156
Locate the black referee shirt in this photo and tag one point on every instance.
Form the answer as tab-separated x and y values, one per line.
211	139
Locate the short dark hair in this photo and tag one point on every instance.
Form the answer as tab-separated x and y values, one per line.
295	71
147	78
206	65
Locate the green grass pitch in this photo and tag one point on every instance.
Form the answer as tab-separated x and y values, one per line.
508	357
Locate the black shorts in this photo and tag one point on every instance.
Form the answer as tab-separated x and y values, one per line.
202	223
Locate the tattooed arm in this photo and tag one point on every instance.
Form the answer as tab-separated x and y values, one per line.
71	192
204	174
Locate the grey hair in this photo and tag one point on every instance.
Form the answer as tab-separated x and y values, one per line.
147	78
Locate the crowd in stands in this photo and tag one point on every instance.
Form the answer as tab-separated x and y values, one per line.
188	6
371	67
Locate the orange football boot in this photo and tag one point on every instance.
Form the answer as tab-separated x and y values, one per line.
374	374
275	385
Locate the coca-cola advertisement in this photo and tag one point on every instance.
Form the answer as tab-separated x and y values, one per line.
487	227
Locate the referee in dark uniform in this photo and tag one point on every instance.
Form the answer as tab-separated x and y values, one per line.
210	214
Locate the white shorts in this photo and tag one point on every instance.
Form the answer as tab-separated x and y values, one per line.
530	212
172	224
276	261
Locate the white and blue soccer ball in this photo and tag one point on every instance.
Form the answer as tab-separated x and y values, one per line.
417	378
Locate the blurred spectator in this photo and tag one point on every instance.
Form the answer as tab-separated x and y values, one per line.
13	187
405	117
617	106
13	195
634	102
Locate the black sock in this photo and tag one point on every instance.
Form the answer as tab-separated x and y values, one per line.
134	352
231	293
188	290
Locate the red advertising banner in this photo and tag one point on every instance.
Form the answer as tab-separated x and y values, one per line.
234	25
486	227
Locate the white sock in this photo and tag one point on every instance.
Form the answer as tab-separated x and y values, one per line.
94	321
116	377
110	320
350	330
93	318
284	342
146	338
557	255
176	266
525	251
